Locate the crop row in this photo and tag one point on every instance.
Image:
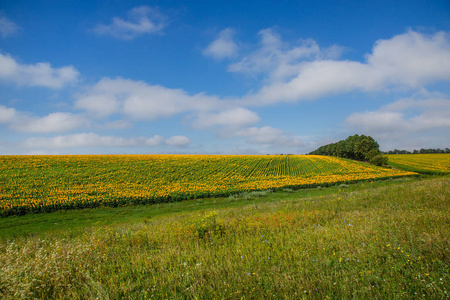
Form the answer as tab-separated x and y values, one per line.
47	183
422	163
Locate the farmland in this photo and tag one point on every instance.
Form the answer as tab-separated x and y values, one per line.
47	183
422	163
381	239
380	242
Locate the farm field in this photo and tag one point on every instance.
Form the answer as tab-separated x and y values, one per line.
421	163
47	183
380	242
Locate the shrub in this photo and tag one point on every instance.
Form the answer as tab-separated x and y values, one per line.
379	160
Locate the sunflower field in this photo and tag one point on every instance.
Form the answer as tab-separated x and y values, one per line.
47	183
436	163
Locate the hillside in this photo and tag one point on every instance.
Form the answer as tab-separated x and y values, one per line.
388	242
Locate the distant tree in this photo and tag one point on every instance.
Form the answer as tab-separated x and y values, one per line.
358	147
421	151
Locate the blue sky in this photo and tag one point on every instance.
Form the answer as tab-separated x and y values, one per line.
225	77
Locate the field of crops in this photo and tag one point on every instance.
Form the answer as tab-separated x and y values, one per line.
421	163
46	183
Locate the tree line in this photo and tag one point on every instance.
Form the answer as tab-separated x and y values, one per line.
357	147
421	151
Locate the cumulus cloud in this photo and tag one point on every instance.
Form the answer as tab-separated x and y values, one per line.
99	102
279	59
139	100
224	46
141	20
7	27
7	114
178	140
405	117
53	122
412	59
39	74
236	117
408	60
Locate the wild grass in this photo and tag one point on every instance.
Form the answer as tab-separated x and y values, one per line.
250	195
388	242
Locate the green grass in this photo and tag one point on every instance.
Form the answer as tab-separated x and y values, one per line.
386	240
74	221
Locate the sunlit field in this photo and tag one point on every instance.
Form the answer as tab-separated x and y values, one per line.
47	183
278	227
387	242
422	163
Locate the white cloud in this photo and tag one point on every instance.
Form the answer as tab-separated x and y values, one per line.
224	46
378	122
178	140
54	122
236	117
301	73
89	140
266	135
99	104
119	124
7	114
39	74
7	27
404	119
412	59
421	100
141	20
138	100
279	59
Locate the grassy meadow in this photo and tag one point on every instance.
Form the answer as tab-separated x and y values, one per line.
381	239
373	241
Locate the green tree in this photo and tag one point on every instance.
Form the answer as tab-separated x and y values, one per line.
359	147
366	148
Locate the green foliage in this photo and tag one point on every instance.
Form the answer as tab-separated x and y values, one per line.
357	147
421	151
379	160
